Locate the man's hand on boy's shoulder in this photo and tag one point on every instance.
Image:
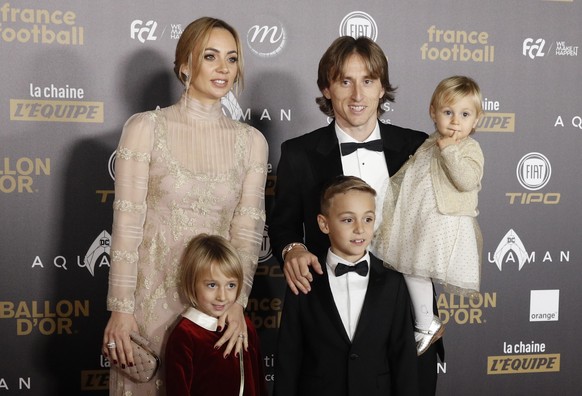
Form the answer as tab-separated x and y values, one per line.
296	270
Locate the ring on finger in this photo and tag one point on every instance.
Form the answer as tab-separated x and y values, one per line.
241	335
111	345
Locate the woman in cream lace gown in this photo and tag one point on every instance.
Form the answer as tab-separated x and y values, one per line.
180	171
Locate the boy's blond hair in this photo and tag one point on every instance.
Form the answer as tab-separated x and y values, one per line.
341	185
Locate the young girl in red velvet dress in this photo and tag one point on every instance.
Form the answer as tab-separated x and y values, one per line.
210	279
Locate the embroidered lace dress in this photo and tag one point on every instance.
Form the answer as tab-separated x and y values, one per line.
180	171
416	239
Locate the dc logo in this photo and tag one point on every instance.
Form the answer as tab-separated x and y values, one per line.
511	248
357	24
143	31
533	49
533	171
100	246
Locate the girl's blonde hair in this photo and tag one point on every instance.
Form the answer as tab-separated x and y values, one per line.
454	88
205	252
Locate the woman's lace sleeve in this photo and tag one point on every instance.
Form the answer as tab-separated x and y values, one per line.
129	209
248	223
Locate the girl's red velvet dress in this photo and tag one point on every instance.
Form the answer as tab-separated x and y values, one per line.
194	367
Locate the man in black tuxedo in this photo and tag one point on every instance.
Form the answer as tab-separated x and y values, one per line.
353	79
352	334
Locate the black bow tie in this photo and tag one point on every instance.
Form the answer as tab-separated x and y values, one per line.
374	145
361	268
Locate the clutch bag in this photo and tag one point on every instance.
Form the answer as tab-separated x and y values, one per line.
145	361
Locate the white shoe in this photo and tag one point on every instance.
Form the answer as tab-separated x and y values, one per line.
425	338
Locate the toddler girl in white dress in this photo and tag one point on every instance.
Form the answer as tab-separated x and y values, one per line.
429	229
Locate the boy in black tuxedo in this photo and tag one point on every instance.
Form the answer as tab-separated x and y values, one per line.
352	334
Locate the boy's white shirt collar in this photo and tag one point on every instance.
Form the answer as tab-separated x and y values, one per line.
348	291
201	319
333	260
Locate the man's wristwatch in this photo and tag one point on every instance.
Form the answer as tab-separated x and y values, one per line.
289	247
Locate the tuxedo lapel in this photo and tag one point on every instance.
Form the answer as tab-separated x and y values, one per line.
393	146
323	294
372	299
327	157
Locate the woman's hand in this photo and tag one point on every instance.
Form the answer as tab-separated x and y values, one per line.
236	331
116	343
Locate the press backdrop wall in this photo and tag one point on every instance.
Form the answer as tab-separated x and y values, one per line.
72	72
